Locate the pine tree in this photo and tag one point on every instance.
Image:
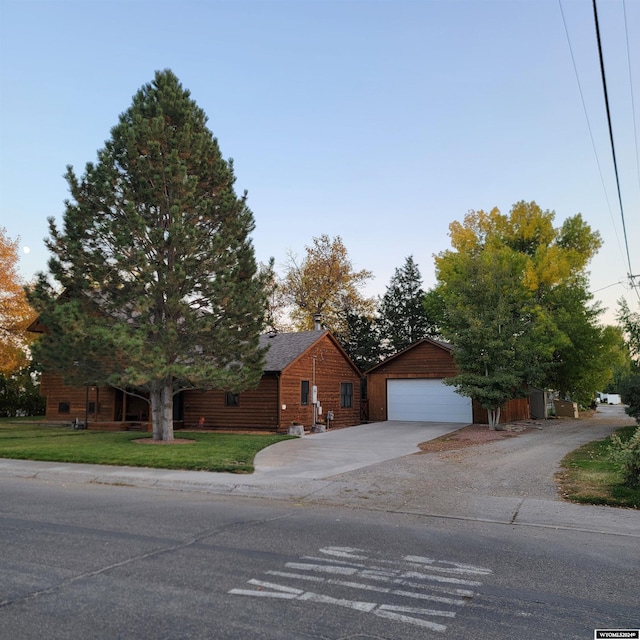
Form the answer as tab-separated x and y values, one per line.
402	316
361	340
161	290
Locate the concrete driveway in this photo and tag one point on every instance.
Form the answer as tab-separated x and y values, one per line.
322	455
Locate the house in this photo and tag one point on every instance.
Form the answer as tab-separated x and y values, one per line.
304	372
409	386
296	364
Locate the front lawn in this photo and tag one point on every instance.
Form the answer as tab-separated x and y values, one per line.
589	476
208	452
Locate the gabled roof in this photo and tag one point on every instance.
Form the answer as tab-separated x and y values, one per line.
285	348
446	346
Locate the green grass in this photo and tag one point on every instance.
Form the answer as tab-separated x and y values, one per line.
589	476
209	451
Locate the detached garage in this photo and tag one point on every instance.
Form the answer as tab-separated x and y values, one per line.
409	386
429	400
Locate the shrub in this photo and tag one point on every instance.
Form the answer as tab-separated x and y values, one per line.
630	395
626	453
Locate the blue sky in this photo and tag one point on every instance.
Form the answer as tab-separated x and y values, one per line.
381	121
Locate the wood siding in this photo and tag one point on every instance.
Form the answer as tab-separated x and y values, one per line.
257	408
57	393
331	369
512	411
425	360
262	408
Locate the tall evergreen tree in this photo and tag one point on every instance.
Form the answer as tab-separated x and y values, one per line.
361	340
161	290
402	315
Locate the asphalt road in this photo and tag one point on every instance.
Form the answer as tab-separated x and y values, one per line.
106	562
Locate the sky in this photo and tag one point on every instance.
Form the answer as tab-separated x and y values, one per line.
379	121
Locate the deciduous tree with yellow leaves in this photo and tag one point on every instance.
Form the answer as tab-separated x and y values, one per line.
15	312
325	283
513	290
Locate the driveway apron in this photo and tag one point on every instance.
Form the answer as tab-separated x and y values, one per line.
322	455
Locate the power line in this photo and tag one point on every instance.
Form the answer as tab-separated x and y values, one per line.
613	148
633	106
615	284
586	116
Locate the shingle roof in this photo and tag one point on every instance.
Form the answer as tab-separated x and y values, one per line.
284	348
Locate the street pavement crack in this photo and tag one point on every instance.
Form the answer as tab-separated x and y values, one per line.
143	556
516	512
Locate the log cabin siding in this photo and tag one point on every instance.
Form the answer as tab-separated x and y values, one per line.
262	408
511	411
56	392
257	408
332	368
425	359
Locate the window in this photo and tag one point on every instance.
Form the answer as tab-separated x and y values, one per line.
304	392
231	399
64	407
346	395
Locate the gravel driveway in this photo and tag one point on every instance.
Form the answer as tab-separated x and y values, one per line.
484	480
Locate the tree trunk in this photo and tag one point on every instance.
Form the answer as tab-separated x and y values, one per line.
494	419
167	410
156	410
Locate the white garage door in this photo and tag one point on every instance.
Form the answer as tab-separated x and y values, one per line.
426	400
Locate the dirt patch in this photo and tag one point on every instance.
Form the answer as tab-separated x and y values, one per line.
476	434
152	441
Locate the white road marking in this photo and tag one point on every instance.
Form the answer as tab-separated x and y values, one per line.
464	593
343	552
390	615
369	587
345	571
385	611
452	566
341	602
263	594
296	576
276	587
417	583
384	576
427	576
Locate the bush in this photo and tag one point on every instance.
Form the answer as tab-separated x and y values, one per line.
630	395
626	453
20	394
